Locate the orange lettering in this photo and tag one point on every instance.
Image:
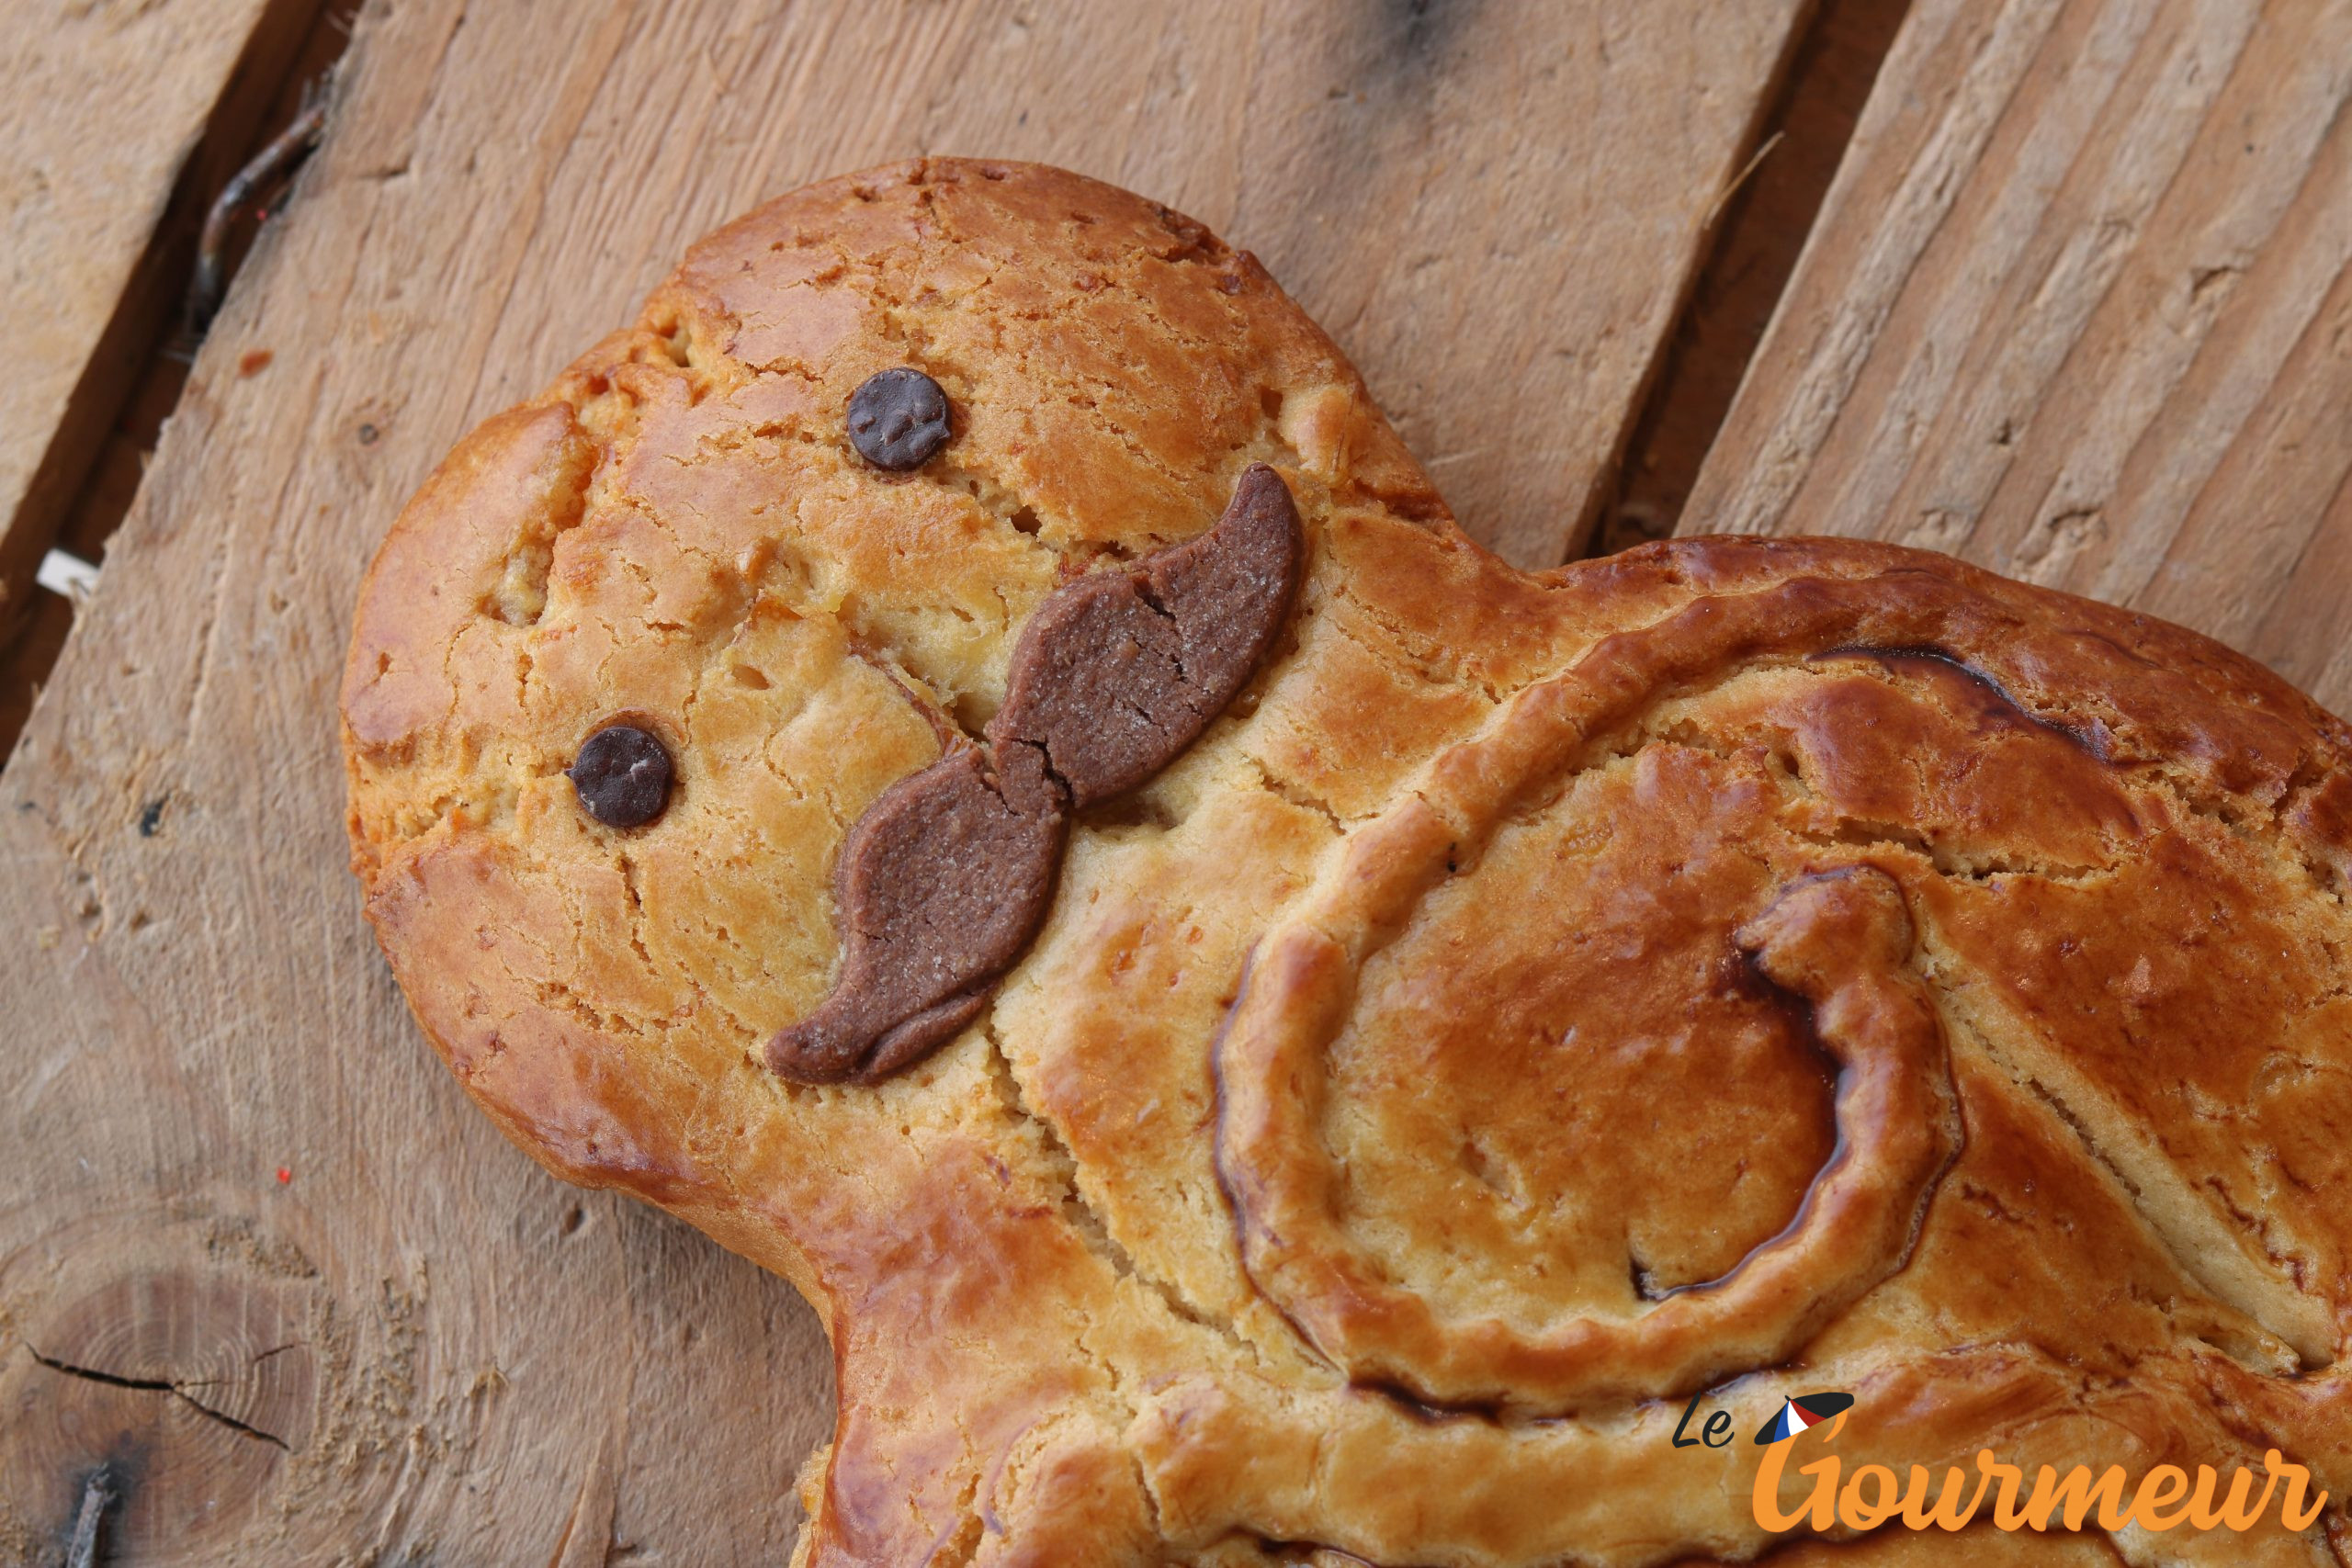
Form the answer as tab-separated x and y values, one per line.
2078	1492
2004	1502
1858	1515
2164	1500
2160	1488
2296	1478
2235	1512
1764	1498
1824	1512
2204	1516
1946	1514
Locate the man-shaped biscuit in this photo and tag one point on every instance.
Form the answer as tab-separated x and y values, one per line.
962	757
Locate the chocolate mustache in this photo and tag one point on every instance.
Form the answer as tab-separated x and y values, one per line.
947	876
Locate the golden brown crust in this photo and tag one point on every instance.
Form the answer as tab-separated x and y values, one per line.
1840	941
1543	876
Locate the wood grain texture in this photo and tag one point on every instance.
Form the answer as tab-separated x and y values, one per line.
1754	250
2077	308
103	105
418	1346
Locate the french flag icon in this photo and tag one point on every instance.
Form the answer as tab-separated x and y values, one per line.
1804	1410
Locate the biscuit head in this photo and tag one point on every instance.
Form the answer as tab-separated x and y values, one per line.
961	756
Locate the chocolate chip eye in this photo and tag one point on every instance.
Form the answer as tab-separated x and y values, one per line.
622	775
898	420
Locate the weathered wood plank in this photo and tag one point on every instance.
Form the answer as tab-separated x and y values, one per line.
2077	308
437	1350
102	107
1752	255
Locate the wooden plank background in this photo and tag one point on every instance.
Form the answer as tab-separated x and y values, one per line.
417	1346
103	108
1755	247
2078	307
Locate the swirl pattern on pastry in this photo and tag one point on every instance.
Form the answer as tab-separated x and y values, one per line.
1803	964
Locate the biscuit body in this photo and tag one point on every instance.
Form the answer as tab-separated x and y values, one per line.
1735	966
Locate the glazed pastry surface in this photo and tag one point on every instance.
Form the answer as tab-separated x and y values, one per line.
1735	967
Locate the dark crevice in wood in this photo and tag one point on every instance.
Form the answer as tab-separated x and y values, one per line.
158	1385
90	473
1763	228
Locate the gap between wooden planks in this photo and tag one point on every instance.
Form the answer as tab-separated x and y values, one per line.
259	101
2078	309
117	121
1763	226
417	1343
